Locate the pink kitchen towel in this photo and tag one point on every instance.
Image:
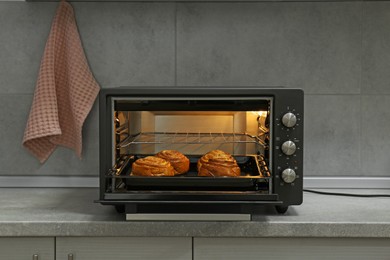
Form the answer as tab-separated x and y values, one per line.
65	90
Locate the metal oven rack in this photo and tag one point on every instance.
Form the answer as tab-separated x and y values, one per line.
190	138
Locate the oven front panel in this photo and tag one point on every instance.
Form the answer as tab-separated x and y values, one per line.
288	146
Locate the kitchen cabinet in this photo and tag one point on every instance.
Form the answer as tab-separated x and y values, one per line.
291	248
182	248
27	248
121	248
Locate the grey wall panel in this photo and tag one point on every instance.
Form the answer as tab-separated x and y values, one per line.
375	140
23	34
376	48
332	135
314	46
129	43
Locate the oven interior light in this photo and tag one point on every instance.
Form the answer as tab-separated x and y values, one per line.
259	113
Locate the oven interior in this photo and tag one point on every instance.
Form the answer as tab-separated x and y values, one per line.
143	127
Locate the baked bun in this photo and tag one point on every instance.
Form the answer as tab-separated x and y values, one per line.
152	166
179	161
217	163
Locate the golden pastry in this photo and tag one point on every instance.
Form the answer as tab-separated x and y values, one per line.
217	163
179	161
152	166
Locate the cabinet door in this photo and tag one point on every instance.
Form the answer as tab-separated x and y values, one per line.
121	248
291	248
21	248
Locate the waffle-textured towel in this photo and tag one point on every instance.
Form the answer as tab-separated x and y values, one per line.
65	90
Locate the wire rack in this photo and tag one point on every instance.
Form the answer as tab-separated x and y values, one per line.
190	138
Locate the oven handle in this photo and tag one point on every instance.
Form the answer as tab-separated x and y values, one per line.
260	202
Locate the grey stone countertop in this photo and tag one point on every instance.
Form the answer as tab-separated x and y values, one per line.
72	212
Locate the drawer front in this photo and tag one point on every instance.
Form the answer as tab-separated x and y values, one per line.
121	248
15	248
291	248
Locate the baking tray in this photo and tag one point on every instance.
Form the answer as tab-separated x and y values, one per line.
254	172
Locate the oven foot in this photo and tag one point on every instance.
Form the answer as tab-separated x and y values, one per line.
120	208
281	209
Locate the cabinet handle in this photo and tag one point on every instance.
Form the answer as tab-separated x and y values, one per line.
35	257
70	256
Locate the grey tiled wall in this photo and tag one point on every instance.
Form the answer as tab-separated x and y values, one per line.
338	52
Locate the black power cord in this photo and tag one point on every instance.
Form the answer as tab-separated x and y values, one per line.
348	194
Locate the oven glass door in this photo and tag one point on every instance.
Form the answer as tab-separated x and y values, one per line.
193	126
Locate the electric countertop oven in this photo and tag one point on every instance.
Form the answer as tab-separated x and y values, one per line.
262	128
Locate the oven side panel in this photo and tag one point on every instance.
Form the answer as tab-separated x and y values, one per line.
105	140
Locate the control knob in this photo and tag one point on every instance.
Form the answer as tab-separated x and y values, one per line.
289	119
289	175
288	148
